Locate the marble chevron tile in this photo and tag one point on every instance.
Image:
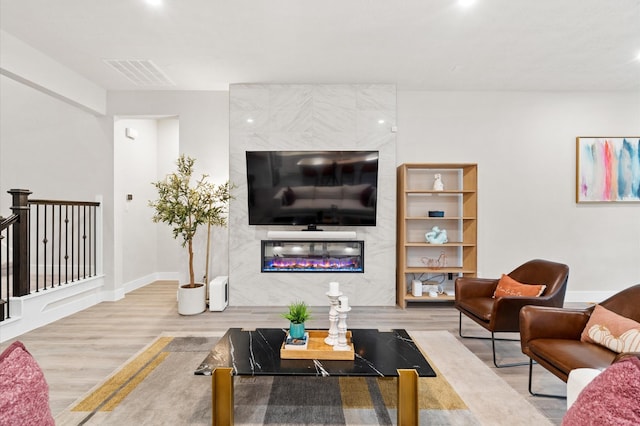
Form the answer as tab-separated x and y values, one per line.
249	121
376	97
290	120
291	140
312	117
328	119
335	96
375	122
337	140
294	97
248	97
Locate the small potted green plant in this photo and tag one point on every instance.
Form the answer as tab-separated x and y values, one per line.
298	314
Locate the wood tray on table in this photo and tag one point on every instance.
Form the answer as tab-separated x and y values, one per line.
318	349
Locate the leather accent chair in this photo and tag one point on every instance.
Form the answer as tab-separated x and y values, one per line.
474	298
551	336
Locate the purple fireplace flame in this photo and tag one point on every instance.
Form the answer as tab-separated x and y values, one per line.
290	264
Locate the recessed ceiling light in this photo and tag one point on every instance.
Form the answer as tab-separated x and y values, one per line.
380	121
154	3
249	120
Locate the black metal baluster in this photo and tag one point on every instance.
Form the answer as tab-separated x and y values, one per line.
95	240
9	281
53	242
59	245
95	237
5	311
66	244
37	248
84	241
72	239
44	242
90	235
79	260
29	247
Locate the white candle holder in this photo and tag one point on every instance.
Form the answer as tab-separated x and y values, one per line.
332	338
342	344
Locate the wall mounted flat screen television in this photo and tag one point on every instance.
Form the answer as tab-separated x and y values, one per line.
312	188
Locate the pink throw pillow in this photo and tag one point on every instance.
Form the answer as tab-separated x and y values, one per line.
611	398
613	331
24	393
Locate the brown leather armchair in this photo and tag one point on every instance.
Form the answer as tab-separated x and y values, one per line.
551	336
474	298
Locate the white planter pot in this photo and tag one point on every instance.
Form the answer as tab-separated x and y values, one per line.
192	301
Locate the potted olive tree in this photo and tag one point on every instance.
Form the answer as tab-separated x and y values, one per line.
185	206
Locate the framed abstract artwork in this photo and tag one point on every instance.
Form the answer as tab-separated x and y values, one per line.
608	169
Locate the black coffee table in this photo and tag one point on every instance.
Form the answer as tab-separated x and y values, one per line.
242	352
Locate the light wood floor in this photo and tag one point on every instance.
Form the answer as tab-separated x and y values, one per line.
79	351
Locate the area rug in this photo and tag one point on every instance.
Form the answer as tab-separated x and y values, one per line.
157	387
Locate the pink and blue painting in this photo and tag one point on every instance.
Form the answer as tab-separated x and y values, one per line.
608	169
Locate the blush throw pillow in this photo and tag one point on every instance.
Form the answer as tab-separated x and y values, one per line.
611	398
24	393
507	286
613	331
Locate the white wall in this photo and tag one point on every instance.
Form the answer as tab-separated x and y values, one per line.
41	139
32	68
135	165
168	253
524	144
204	135
58	151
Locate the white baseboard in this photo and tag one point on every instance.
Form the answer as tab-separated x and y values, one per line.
148	279
588	296
38	309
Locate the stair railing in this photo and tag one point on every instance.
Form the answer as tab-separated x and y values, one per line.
47	243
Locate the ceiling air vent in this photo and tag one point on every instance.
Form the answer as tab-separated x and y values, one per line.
140	72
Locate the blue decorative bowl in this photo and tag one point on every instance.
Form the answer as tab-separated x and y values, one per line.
436	213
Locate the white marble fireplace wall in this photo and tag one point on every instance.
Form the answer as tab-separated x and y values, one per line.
312	117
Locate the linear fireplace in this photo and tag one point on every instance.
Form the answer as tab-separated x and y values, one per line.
312	256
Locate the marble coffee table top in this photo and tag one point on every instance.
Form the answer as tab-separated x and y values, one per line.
257	352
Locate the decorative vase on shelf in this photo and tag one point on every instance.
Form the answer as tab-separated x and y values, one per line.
436	236
437	182
296	331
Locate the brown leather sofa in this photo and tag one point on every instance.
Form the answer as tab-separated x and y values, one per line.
551	336
474	298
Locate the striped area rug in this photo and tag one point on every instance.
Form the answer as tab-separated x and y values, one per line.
158	387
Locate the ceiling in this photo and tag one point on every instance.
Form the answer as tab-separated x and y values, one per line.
563	45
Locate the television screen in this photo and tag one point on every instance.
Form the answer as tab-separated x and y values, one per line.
312	188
